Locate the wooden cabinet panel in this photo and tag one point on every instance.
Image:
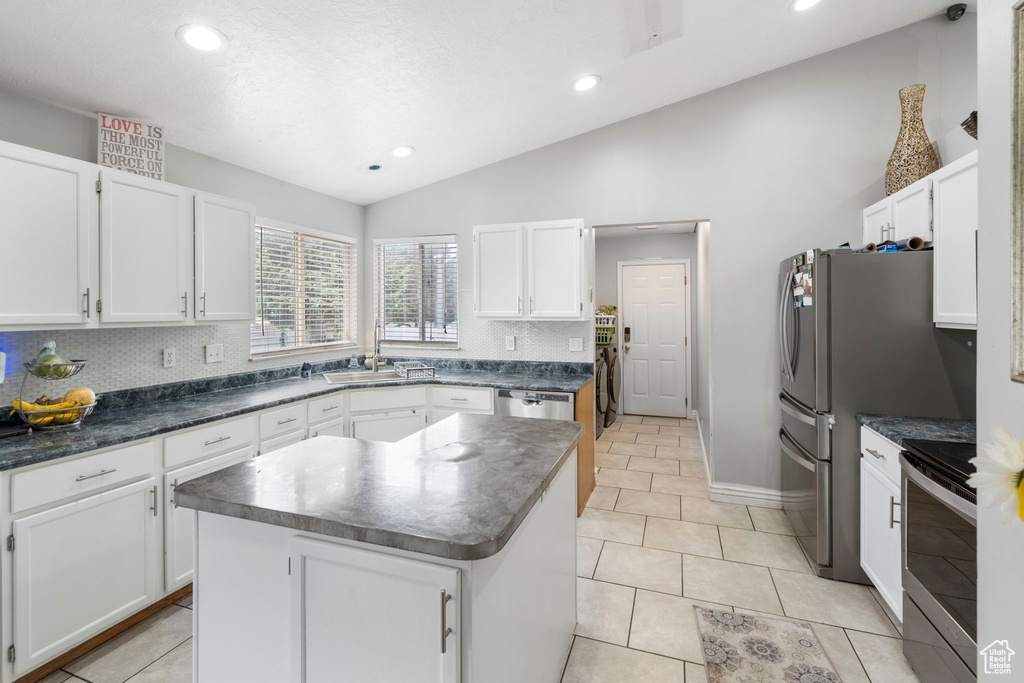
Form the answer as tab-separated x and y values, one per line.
585	479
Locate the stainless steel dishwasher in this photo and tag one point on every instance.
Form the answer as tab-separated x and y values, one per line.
543	404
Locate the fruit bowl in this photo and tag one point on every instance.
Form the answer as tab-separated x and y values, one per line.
55	370
40	417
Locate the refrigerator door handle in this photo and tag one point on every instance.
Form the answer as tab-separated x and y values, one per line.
783	337
794	411
796	453
823	476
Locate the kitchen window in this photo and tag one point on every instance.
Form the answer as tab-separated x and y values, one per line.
305	290
416	290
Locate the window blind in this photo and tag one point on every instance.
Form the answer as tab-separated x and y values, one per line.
417	290
305	291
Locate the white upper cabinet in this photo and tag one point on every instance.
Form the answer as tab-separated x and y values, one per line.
956	225
877	219
145	250
554	267
225	241
912	211
48	221
498	270
531	271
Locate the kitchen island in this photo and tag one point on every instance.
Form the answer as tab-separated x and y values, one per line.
448	556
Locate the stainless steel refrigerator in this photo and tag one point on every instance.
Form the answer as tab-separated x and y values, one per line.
856	336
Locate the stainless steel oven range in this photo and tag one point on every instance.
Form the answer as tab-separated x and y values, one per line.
940	563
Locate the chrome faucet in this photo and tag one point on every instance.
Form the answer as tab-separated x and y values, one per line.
376	343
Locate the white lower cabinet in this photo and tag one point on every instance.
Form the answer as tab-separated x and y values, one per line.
412	603
334	427
438	414
82	567
278	442
880	543
388	427
179	523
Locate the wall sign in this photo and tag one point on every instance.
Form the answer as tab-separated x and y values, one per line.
132	146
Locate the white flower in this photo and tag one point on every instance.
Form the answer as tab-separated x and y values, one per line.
999	471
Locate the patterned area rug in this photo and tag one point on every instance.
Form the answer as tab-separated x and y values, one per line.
740	648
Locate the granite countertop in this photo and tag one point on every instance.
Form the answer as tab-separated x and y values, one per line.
896	428
114	426
458	489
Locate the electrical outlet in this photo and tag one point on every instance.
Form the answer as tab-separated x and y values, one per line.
575	343
214	353
170	358
3	366
510	343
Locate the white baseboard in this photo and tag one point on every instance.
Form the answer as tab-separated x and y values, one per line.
746	495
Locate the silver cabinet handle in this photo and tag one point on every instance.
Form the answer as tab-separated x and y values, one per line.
213	441
892	508
284	422
204	304
88	299
531	304
875	453
153	507
174	485
519	309
457	398
445	631
93	476
330	408
184	311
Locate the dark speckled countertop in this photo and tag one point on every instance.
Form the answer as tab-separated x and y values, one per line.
113	426
458	489
896	428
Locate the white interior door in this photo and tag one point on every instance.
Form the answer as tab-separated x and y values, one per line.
654	309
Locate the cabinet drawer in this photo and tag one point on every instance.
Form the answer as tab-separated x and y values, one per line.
459	398
388	399
326	408
881	452
84	475
283	420
220	437
279	442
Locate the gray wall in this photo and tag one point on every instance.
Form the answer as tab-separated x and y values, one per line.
1000	401
702	366
124	358
610	250
779	163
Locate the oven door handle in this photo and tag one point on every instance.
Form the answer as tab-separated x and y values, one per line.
798	454
947	498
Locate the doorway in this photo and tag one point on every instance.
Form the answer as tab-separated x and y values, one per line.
654	337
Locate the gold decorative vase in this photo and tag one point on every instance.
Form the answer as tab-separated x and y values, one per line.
913	157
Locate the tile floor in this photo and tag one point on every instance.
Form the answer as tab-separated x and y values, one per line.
651	545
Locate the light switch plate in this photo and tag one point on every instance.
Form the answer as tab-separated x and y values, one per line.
575	343
510	342
170	358
214	353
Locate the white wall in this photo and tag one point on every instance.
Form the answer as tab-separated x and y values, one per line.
702	330
1000	401
779	163
132	357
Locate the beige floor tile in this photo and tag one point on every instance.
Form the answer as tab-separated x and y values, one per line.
882	658
611	526
173	667
665	625
689	442
633	419
709	512
644	503
57	677
594	662
185	601
128	653
638	428
658	440
768	550
729	583
696	673
662	466
806	596
771	521
611	460
587	552
655	570
614	427
628	437
602	446
840	651
690	468
689	432
643	450
692	454
641	481
661	421
603	498
681	486
603	611
683	537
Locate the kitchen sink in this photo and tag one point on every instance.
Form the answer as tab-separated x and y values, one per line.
360	377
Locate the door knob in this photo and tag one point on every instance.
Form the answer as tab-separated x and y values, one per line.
625	347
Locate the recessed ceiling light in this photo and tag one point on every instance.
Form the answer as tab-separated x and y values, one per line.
585	83
201	37
374	167
402	151
801	5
